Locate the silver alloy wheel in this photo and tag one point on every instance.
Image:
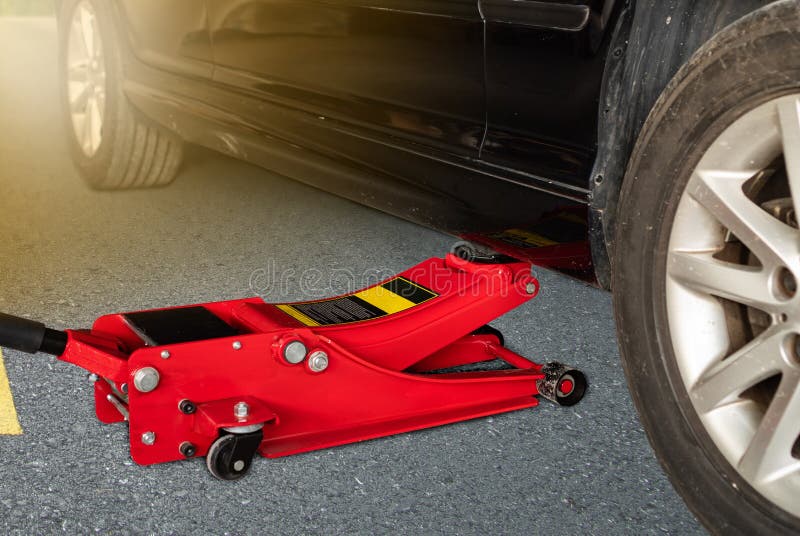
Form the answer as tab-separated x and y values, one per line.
86	78
733	305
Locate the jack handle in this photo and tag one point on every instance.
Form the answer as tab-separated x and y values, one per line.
30	336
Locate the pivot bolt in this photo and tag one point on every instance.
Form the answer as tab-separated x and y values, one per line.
530	288
165	354
295	352
241	410
146	379
187	406
148	438
318	361
187	449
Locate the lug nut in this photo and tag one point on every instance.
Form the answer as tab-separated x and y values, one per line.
318	361
148	438
146	379
241	410
294	352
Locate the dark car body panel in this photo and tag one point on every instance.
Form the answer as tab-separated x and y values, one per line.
477	117
411	69
544	67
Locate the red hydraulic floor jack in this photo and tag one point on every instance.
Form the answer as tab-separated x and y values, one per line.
230	379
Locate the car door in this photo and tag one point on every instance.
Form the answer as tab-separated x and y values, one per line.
544	68
169	34
407	72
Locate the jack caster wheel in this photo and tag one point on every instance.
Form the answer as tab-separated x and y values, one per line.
561	384
231	455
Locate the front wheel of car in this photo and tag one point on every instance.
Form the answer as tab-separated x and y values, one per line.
112	145
706	271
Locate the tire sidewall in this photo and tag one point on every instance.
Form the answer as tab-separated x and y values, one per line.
706	96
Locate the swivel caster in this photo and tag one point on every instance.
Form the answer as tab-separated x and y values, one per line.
561	384
231	455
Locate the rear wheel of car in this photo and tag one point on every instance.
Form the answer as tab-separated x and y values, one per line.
112	145
706	270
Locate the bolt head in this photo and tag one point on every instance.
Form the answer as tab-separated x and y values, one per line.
146	379
318	361
237	345
93	377
187	407
148	438
295	352
165	354
530	288
187	449
238	465
241	410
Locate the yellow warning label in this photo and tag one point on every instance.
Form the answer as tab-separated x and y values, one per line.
394	296
9	425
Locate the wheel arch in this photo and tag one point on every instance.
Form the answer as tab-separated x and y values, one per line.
651	41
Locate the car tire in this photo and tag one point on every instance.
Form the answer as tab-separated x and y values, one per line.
111	143
751	63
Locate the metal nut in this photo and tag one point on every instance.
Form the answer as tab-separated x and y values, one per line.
530	288
241	410
318	361
165	354
148	438
146	379
237	345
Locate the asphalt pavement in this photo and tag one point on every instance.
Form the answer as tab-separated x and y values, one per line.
225	230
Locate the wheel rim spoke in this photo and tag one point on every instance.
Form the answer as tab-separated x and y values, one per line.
725	381
85	78
81	101
769	455
87	132
96	123
789	115
743	284
720	192
87	31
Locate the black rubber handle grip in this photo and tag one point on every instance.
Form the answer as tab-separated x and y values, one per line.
30	336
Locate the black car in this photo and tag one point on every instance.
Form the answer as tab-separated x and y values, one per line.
649	147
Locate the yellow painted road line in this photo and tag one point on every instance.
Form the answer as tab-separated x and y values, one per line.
9	425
